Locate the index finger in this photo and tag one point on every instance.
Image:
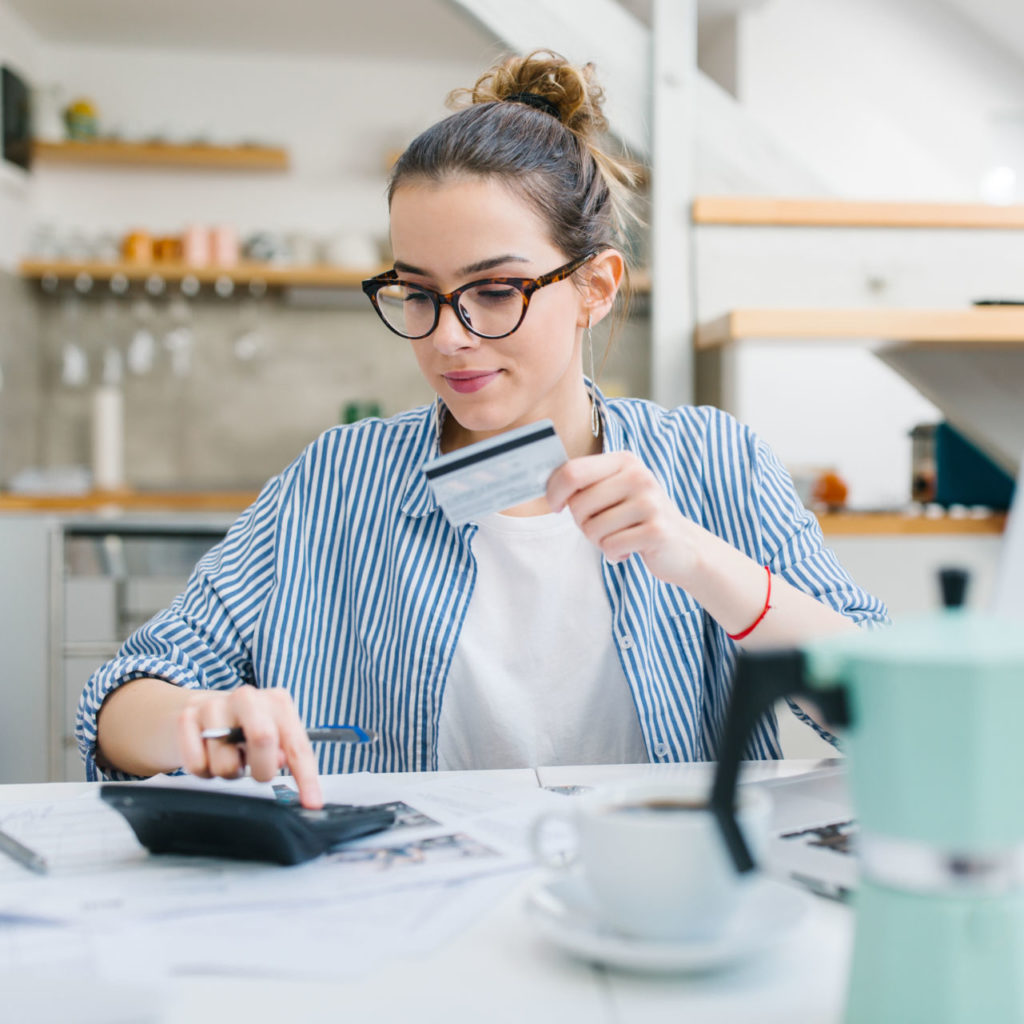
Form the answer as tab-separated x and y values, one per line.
576	475
298	756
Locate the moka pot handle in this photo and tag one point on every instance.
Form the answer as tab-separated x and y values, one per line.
761	678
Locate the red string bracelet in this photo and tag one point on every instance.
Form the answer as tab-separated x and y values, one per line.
764	611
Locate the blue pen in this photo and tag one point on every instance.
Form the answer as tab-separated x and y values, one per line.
323	734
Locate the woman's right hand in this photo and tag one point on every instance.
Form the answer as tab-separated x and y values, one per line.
274	738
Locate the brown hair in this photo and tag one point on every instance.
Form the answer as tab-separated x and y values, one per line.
536	123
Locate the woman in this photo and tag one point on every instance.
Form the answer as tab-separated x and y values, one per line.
598	623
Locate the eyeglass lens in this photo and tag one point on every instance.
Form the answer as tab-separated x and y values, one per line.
489	309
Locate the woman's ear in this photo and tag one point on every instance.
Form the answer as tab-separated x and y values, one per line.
603	277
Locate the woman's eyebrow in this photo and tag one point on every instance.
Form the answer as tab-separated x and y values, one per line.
489	264
472	268
408	268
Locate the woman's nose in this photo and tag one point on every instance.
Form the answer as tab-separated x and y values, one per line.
450	335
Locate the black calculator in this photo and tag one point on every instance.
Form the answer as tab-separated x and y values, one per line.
209	823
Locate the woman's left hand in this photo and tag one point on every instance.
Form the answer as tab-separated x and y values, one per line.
621	507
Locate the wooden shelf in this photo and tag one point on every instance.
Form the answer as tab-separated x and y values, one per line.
170	501
162	154
858	524
846	213
979	324
832	523
316	276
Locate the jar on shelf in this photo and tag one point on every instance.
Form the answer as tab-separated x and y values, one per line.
167	249
224	245
81	119
137	247
195	245
923	471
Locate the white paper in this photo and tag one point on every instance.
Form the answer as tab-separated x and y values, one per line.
391	894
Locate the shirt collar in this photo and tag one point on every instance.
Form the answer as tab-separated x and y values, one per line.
418	499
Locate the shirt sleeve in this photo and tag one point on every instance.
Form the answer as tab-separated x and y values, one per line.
203	640
794	548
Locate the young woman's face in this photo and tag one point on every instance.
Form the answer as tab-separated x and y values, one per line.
446	235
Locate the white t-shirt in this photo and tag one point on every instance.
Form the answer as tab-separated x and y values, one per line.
536	679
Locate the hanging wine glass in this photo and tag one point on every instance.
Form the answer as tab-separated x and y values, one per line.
250	342
180	338
142	347
74	363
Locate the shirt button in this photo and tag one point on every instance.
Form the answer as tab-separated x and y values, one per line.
661	749
625	641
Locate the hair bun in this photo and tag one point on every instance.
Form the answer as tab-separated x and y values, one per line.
547	81
581	183
532	99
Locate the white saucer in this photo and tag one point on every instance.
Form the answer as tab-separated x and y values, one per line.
562	909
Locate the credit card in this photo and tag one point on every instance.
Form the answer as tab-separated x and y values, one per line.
495	474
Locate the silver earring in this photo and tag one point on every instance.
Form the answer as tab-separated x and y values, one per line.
438	419
595	419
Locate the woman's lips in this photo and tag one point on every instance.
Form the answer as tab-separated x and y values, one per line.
466	381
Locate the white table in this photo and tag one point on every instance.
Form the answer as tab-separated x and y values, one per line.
499	970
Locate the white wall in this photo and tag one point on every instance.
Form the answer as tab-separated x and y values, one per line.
339	118
891	99
828	401
881	97
19	48
884	98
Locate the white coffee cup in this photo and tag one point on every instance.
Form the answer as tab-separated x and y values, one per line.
652	856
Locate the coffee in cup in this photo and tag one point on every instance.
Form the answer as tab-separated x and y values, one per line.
652	856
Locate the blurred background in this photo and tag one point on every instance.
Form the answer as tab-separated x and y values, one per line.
191	190
270	130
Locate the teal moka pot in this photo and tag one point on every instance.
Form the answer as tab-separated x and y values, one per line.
932	715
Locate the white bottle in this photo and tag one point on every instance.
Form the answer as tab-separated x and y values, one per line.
108	437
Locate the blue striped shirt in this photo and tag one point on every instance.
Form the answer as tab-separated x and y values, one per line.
345	584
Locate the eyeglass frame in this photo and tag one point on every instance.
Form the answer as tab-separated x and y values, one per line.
526	286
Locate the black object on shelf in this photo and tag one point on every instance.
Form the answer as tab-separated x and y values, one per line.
965	475
15	116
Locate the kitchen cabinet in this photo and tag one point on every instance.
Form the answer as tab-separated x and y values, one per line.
85	583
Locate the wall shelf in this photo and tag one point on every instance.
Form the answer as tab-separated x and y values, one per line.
160	501
845	213
316	276
832	523
974	325
876	524
162	154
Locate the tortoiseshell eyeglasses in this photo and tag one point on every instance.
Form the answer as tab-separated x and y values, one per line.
493	307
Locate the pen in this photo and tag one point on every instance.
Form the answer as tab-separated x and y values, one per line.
326	734
22	854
